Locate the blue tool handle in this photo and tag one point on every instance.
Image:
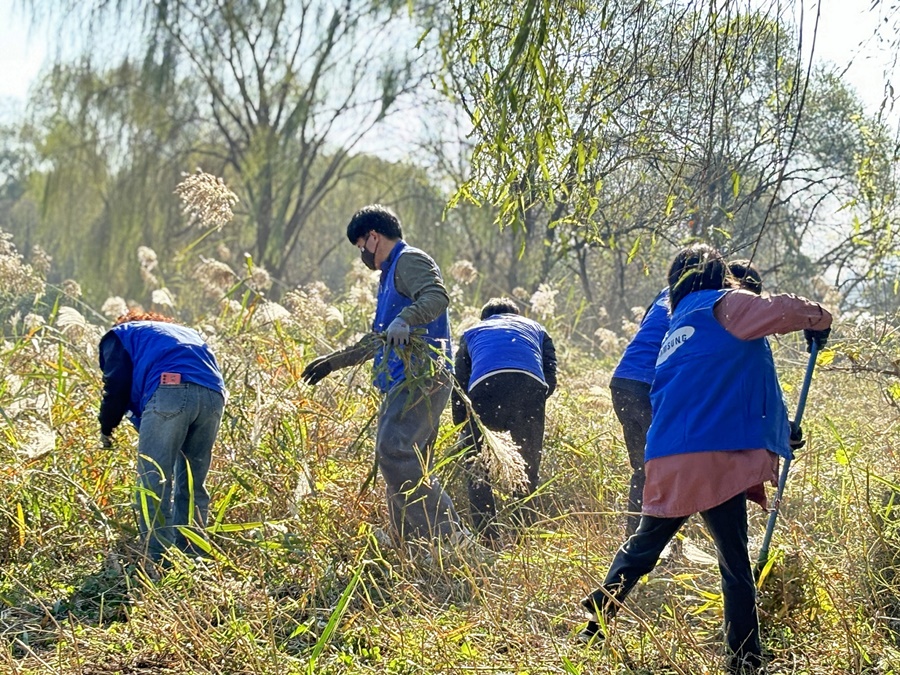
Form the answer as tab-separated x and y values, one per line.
782	479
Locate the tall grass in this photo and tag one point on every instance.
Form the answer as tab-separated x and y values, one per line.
299	582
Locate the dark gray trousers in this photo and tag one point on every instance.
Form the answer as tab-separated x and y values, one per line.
408	424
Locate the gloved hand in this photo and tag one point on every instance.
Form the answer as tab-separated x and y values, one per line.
398	333
796	440
106	442
820	337
317	370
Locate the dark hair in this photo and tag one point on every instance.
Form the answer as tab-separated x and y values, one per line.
699	267
138	315
377	218
499	306
747	275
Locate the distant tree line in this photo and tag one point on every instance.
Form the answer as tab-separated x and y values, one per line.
576	144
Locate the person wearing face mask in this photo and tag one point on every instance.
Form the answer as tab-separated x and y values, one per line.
414	376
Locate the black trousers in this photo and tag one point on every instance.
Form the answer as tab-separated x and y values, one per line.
513	402
634	412
727	523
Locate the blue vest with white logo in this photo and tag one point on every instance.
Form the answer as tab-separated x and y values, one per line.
505	342
713	391
639	360
157	347
389	369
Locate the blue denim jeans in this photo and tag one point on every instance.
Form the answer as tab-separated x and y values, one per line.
178	428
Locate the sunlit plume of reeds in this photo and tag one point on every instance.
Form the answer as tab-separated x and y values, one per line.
114	307
361	284
41	261
71	288
149	263
269	313
498	455
607	341
260	280
457	295
502	461
223	252
215	277
310	306
543	301
521	294
32	322
77	328
162	297
629	328
206	201
17	278
463	272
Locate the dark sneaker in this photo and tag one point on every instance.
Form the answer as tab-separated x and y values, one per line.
592	605
591	634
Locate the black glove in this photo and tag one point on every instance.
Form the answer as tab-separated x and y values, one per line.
317	370
820	337
796	440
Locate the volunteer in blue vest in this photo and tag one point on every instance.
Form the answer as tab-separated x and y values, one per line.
413	375
631	380
507	366
629	387
719	426
166	379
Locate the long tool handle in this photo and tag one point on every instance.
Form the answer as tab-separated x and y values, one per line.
782	479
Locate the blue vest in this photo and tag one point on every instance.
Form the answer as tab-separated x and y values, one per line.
713	391
639	360
388	369
156	347
505	342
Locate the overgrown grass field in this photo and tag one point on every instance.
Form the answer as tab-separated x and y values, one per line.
299	583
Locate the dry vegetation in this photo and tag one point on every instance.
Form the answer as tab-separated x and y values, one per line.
300	584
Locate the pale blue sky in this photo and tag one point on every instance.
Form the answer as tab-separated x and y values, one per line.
22	53
844	26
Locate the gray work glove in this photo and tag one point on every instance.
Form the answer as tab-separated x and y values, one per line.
820	337
106	441
398	333
317	370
